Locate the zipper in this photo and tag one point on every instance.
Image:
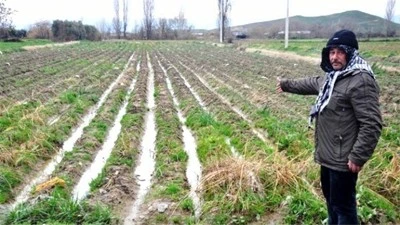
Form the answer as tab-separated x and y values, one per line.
340	145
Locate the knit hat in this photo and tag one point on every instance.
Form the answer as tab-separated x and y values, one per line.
343	37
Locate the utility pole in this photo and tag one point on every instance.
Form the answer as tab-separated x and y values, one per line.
287	26
221	21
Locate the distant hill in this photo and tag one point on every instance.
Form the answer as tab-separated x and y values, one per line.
363	24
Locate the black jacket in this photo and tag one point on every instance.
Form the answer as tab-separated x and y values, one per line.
349	127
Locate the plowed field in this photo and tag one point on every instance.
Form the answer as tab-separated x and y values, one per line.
171	133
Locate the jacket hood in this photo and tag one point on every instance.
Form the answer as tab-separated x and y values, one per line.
344	39
325	62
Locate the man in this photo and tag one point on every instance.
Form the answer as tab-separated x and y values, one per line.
348	121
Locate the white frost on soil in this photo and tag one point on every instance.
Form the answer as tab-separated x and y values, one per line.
82	188
68	144
146	164
193	170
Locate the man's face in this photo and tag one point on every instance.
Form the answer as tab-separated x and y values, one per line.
337	58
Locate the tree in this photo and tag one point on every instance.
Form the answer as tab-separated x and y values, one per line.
71	31
104	28
148	20
163	28
223	21
5	19
41	30
179	27
124	17
389	16
116	20
183	28
92	34
17	33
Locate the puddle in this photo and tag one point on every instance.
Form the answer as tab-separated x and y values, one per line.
146	164
82	188
68	144
193	169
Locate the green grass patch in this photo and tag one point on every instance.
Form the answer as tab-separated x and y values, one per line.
8	180
59	208
287	134
305	208
374	208
8	47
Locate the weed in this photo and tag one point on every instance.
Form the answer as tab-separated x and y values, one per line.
58	207
374	208
187	204
179	156
69	97
8	179
172	189
305	208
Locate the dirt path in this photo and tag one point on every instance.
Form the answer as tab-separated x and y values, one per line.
312	60
28	48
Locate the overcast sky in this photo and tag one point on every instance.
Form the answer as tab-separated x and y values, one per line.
202	14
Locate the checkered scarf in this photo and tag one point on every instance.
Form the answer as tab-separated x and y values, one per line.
355	63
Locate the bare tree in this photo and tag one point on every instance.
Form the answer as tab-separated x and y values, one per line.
148	8
182	22
104	29
116	20
163	28
5	19
124	16
40	30
183	27
224	7
389	16
179	27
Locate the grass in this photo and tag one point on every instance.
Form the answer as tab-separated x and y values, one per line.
211	142
305	208
8	180
374	208
8	47
247	187
59	207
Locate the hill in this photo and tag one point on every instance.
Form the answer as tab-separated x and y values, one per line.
363	24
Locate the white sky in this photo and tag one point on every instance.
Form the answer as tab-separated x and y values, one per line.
202	14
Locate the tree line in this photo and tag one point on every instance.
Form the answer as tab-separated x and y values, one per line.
58	30
150	28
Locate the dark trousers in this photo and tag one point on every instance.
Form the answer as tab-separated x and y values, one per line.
339	189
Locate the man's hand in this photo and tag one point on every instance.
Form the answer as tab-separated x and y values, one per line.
354	167
278	85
